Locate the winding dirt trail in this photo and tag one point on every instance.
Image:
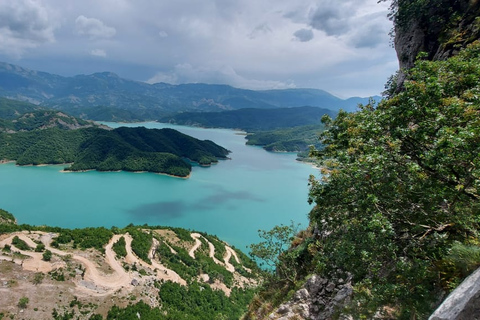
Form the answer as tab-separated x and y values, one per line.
162	271
227	257
35	261
198	243
98	283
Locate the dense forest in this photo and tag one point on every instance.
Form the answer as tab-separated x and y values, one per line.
287	140
252	120
48	137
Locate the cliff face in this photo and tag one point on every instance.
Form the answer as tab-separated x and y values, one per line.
439	28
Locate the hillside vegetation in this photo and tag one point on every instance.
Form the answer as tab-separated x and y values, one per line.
128	149
396	210
294	139
252	120
121	273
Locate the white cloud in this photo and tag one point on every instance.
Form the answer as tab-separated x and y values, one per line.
163	34
98	53
186	73
24	24
93	28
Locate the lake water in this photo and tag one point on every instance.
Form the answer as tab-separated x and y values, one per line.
232	199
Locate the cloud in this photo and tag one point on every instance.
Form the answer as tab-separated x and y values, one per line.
249	44
260	30
98	53
303	35
186	73
93	28
24	24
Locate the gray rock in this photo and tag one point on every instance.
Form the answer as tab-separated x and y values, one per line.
301	295
463	303
330	287
343	295
283	308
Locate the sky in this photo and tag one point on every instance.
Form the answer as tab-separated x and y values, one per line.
341	46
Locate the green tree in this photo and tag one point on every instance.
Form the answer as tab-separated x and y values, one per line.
47	255
274	253
400	185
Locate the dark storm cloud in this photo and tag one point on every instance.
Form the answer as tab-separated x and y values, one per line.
330	19
246	44
304	35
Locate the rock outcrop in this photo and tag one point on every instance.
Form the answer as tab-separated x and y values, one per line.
439	28
463	303
318	299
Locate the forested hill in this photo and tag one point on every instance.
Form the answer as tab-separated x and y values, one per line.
52	137
395	226
128	149
250	119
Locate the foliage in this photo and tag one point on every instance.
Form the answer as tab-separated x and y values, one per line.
219	246
47	255
10	109
85	238
23	302
20	244
195	302
400	186
465	258
119	247
128	149
6	217
276	241
253	120
287	140
141	243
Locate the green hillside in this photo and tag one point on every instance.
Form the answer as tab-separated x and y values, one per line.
128	149
252	120
294	139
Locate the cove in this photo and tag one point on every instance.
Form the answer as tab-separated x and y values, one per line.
254	190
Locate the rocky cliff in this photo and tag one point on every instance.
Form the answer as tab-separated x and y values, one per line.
441	28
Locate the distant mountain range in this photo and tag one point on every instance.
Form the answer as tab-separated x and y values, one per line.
106	96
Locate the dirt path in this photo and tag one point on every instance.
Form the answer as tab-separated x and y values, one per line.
96	282
34	262
226	259
198	243
162	271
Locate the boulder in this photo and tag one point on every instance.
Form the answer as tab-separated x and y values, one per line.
463	303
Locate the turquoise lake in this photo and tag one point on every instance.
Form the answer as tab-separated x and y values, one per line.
254	190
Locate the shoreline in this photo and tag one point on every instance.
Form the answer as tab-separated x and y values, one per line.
73	171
